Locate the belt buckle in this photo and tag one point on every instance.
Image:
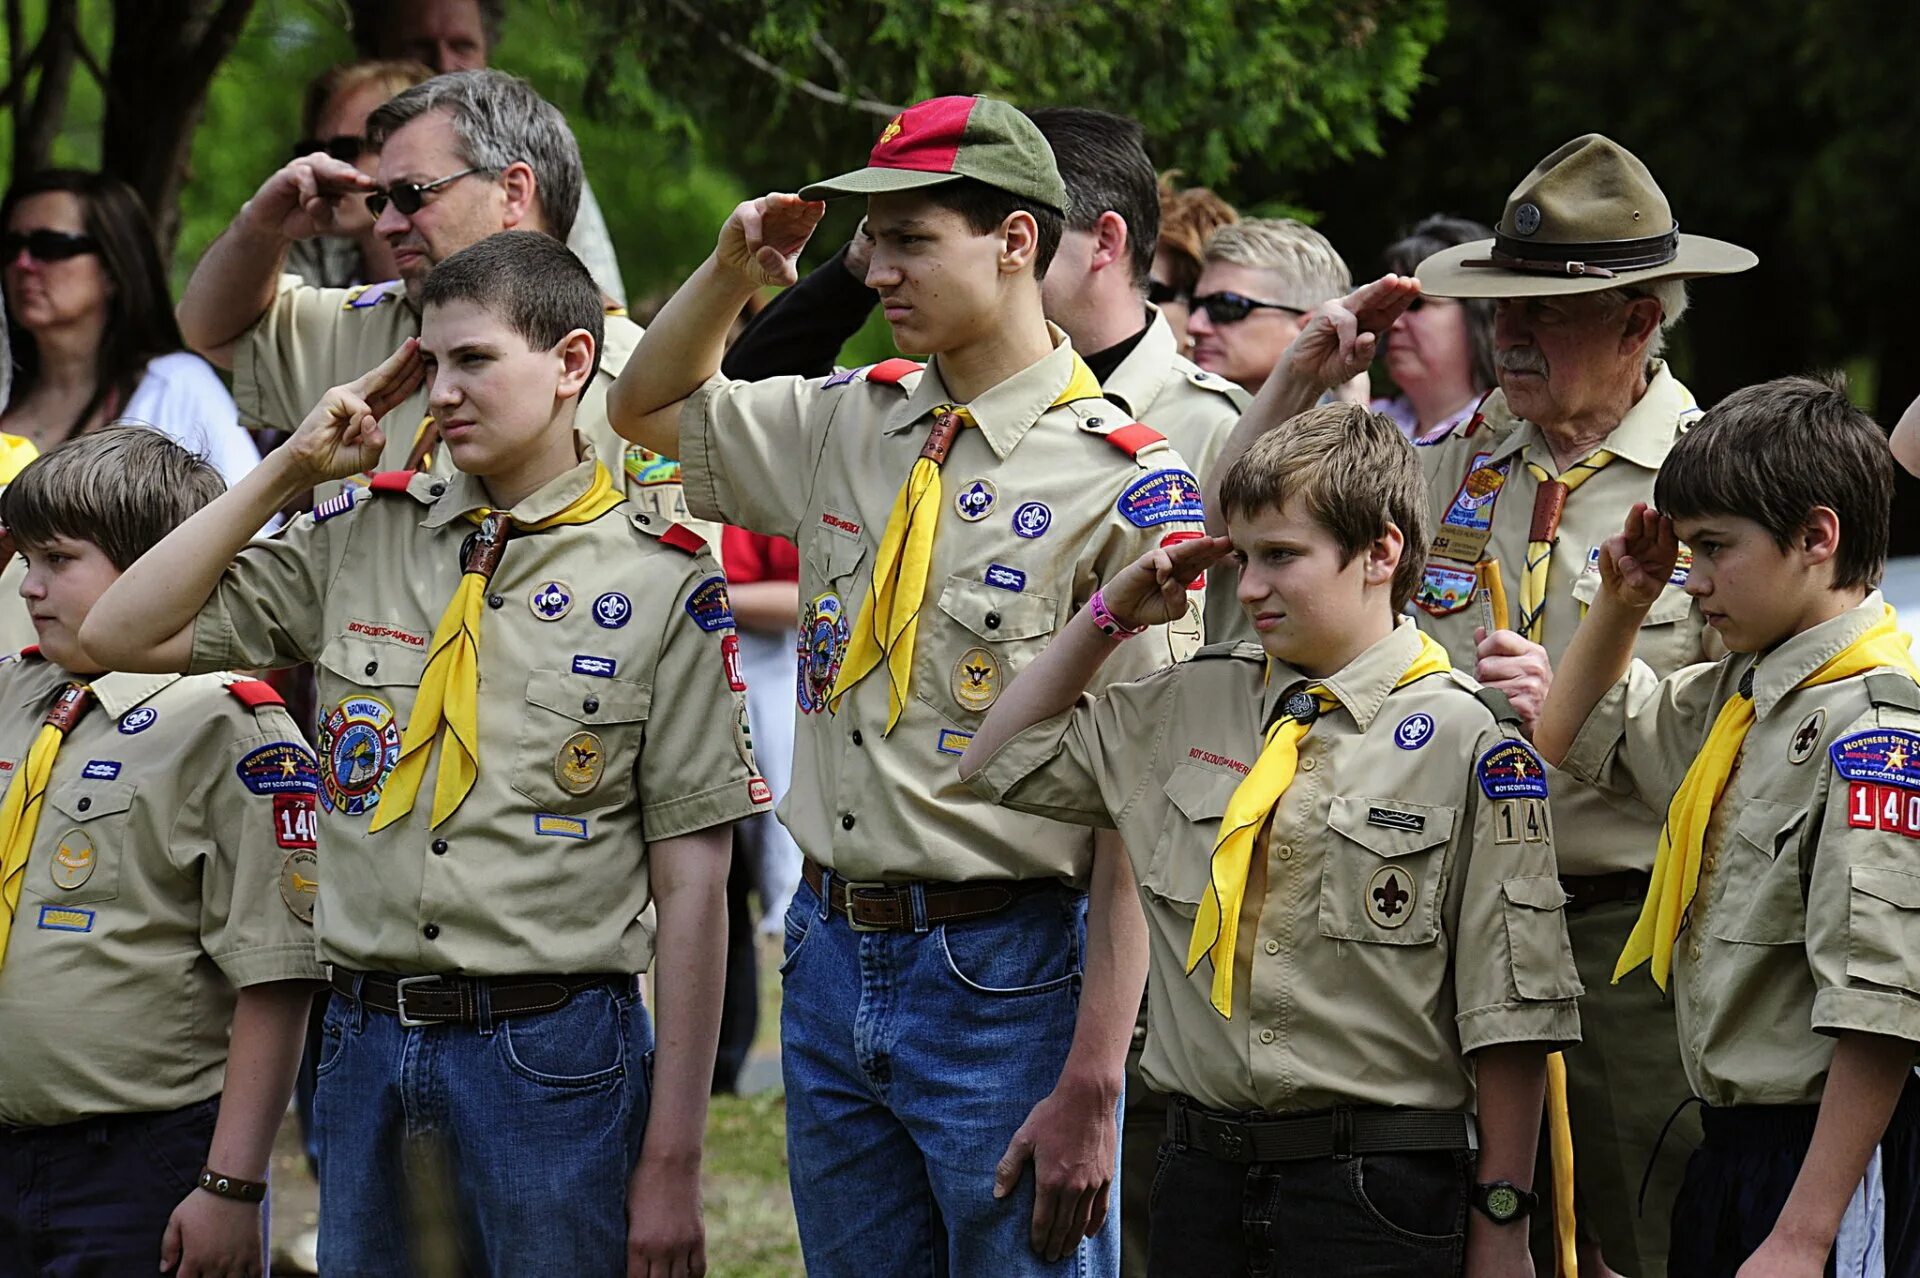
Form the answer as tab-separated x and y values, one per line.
400	988
850	886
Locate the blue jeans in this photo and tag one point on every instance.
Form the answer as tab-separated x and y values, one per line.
535	1123
910	1059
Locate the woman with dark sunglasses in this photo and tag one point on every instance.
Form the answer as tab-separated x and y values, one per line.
92	327
1439	354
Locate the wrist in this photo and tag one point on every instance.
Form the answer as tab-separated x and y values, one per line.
288	476
1093	1084
1110	623
233	1188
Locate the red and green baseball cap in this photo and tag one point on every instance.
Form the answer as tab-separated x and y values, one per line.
946	139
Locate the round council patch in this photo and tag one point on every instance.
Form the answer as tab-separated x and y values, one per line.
300	883
1414	731
138	719
974	502
359	743
1031	519
74	861
612	610
976	679
551	600
578	765
1390	897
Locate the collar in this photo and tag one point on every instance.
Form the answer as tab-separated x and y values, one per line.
1362	685
466	494
1777	673
115	692
1137	382
1004	413
1643	437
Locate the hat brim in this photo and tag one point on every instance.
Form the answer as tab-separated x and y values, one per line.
1446	275
874	181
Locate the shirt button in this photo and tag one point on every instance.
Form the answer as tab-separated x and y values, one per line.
645	519
430	931
857	738
1266	1036
373	667
1307	765
1273	947
1284	852
846	820
439	847
993	621
495	601
84	804
436	489
591	705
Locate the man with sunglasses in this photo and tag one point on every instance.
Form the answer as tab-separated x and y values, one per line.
1259	281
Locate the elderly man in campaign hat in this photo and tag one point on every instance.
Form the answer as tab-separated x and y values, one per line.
1588	271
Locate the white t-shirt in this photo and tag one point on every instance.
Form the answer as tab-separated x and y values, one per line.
183	398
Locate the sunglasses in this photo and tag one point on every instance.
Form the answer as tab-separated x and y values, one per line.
1231	308
46	246
347	147
409	196
1161	293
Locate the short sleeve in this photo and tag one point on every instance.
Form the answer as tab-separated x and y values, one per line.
696	769
749	451
267	609
1642	736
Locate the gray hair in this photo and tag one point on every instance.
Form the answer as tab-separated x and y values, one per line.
498	120
1310	268
1672	296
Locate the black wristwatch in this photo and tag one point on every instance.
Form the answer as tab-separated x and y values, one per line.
1504	1202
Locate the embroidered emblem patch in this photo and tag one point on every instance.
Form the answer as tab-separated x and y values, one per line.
338	504
1511	770
730	657
708	606
648	469
1395	819
1173	539
1414	731
975	501
1390	897
822	644
758	791
73	861
1468	521
1163	497
1032	519
293	820
281	767
360	742
612	610
1005	578
1444	590
952	741
1806	737
300	883
578	764
551	600
101	769
55	918
603	667
550	826
976	679
138	719
1885	756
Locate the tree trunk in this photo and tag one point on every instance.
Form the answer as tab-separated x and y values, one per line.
36	126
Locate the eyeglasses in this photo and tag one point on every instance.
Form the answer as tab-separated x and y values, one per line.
1161	293
1231	308
346	147
409	196
46	246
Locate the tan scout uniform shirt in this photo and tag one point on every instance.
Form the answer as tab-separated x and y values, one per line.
1408	917
820	462
1599	834
173	864
606	722
313	339
1807	917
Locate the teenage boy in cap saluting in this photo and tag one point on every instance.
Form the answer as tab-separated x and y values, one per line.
938	1027
1586	268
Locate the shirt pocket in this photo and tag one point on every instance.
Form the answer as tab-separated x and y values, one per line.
89	822
1883	914
367	689
580	738
1665	642
1381	880
1533	909
1759	900
1182	860
972	645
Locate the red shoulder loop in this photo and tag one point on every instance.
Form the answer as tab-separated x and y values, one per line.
888	372
31	652
391	481
1131	439
681	537
254	693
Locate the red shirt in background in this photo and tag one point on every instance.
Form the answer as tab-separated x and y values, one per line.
748	556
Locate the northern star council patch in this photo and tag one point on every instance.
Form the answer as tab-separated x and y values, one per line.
1511	770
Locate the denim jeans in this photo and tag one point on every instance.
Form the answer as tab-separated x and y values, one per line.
1369	1216
531	1126
910	1059
92	1198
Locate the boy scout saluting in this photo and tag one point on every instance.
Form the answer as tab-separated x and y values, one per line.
158	849
526	732
1347	866
1783	911
935	1033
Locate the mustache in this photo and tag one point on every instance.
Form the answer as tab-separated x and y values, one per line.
1521	359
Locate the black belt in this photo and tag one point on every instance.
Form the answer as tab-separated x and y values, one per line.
1584	891
1335	1133
436	1000
888	907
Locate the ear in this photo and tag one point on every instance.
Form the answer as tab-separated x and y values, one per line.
522	198
1642	320
576	363
1019	242
1818	540
1110	239
1383	556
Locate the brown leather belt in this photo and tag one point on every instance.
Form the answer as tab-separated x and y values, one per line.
1334	1133
888	907
1584	891
438	1000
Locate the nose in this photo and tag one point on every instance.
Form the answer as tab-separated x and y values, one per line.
31	586
881	273
1199	322
1511	326
392	222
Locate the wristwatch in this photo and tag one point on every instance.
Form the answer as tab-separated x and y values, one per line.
1504	1202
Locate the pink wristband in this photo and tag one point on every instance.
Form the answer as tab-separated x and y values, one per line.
1097	610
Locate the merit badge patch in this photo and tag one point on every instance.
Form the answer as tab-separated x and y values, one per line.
1511	770
612	610
73	861
1032	519
550	826
758	791
1005	578
300	883
1885	756
1806	737
294	820
1390	897
551	600
708	607
822	644
1468	523
579	762
57	918
952	741
602	667
138	719
648	469
101	769
976	679
278	768
1444	590
730	657
1163	497
338	504
360	743
1414	731
975	501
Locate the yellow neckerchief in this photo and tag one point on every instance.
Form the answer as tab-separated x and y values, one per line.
26	794
1216	928
1676	867
891	614
450	687
15	452
1549	500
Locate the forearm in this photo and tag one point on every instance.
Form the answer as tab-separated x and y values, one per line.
1511	1083
230	289
769	607
682	348
690	959
1112	977
1595	659
1863	1084
263	1055
1048	687
1286	394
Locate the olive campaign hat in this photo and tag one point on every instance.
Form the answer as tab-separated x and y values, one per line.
1589	217
945	139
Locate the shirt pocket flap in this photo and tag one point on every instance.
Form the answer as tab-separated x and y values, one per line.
1673	604
589	698
1201	794
994	614
1895	887
1537	892
834	556
91	800
1391	827
358	659
1762	821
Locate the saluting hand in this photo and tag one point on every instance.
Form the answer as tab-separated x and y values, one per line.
299	201
1340	339
762	238
1152	590
1636	563
342	435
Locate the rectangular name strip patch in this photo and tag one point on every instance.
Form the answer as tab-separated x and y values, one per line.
1394	819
